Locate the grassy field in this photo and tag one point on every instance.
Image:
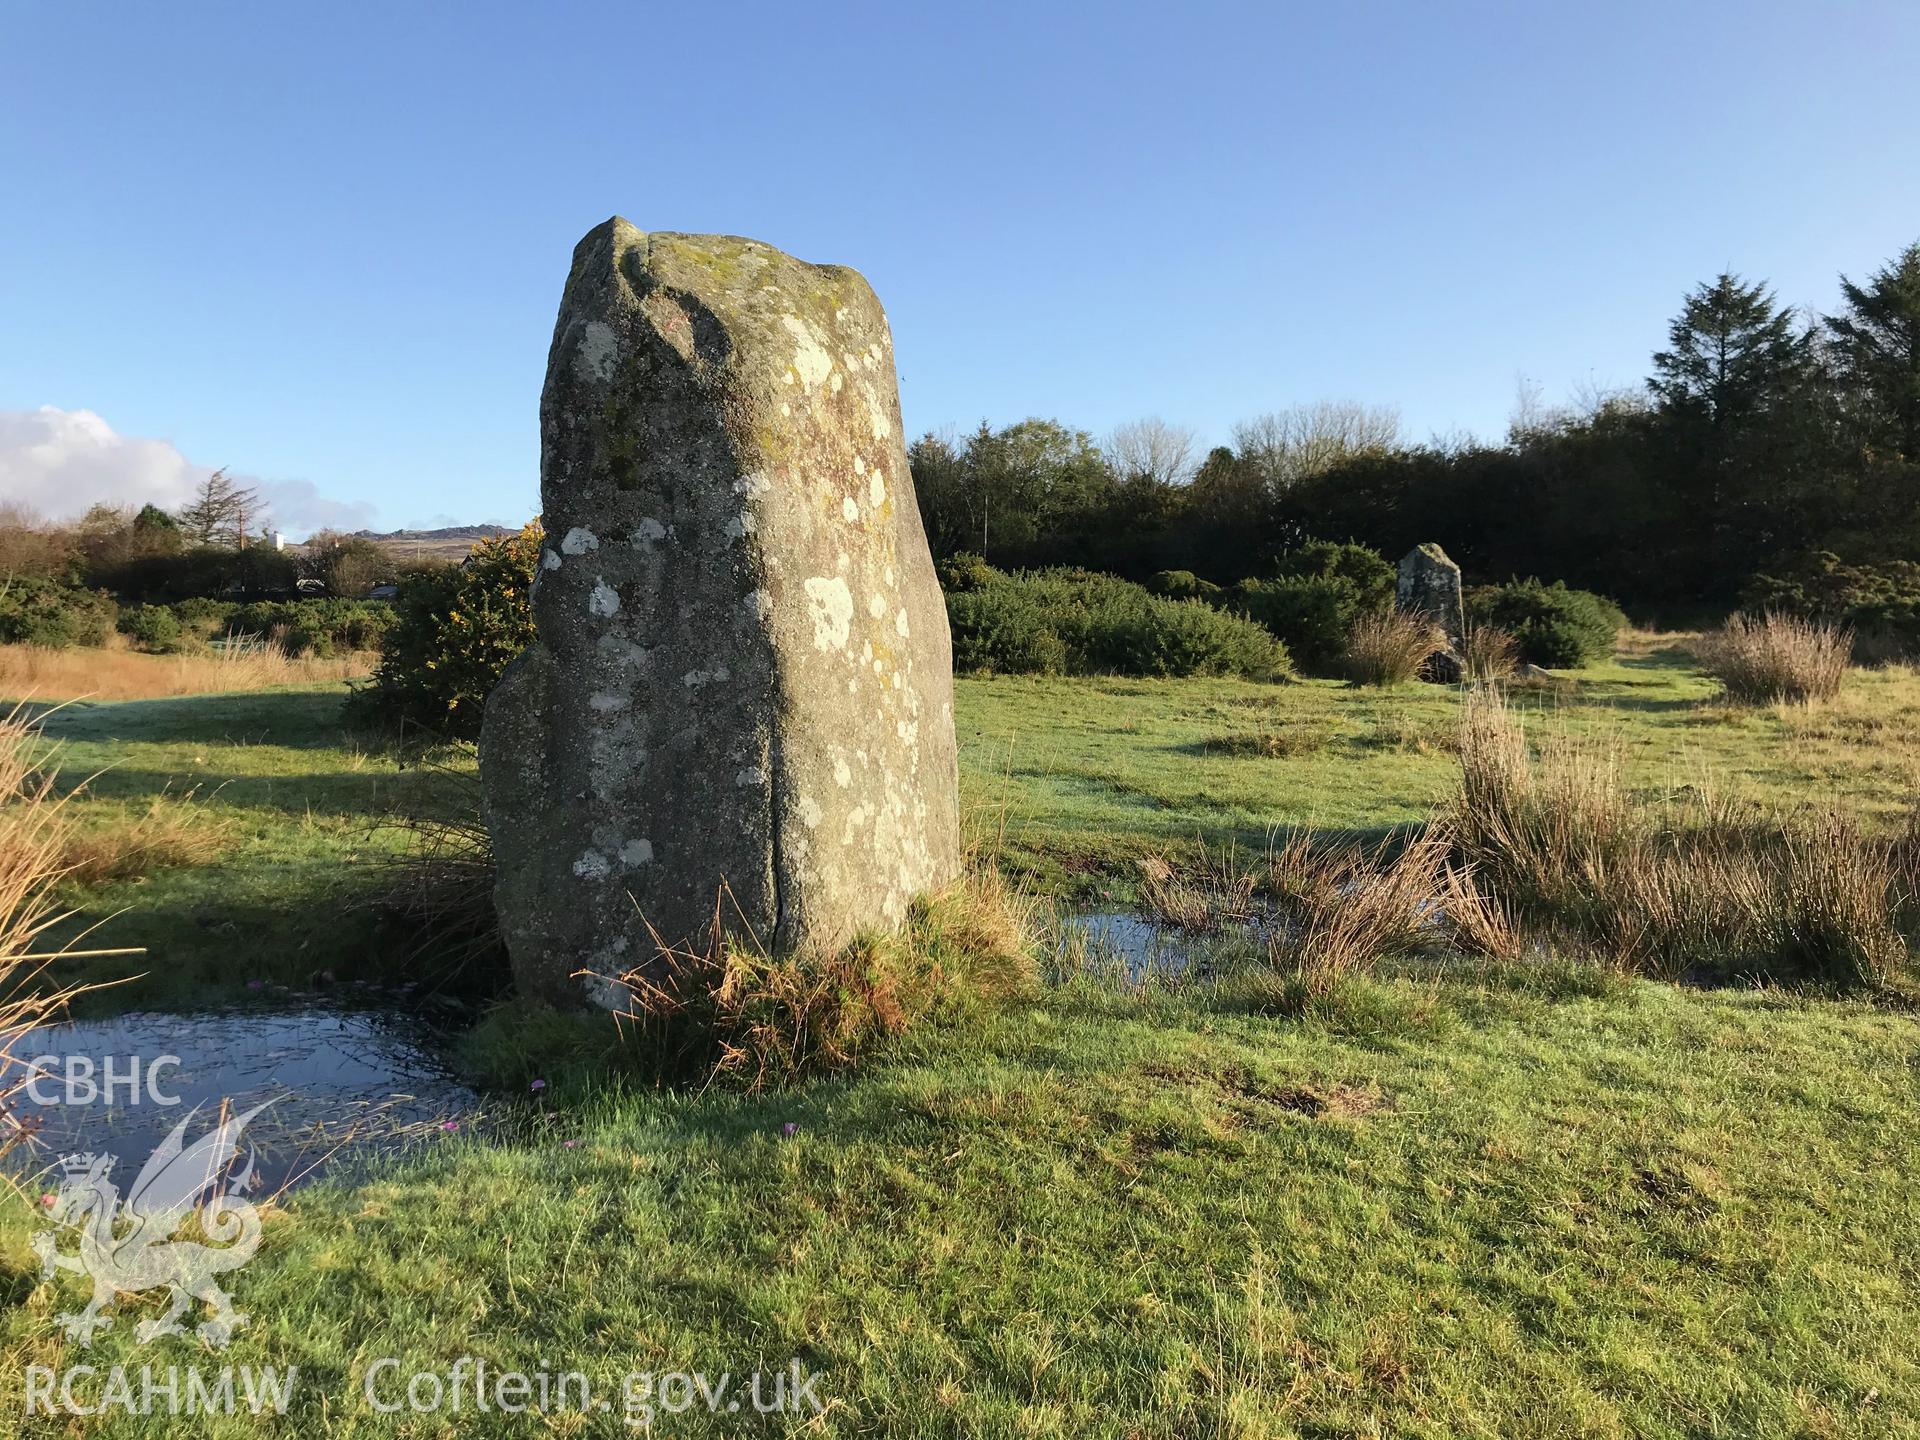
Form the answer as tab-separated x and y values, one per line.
1514	1202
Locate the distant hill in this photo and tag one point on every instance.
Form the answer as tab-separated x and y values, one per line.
449	540
446	532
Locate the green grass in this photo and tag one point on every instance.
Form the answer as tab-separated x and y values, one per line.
1069	779
1520	1203
1661	1213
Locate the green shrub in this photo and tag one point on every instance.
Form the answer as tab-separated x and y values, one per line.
1311	615
1320	592
1189	637
1879	603
151	627
454	631
36	611
1184	585
1366	572
1554	627
965	571
1075	621
198	613
315	627
1002	629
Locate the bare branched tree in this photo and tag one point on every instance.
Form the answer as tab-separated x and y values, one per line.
1592	400
1292	445
1151	449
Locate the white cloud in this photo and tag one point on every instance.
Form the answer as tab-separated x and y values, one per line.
58	462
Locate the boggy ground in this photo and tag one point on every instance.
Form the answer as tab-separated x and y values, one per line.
1504	1200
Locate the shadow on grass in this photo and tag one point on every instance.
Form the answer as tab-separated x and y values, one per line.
216	936
291	719
340	795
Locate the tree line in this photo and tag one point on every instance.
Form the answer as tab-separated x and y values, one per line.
219	543
1764	439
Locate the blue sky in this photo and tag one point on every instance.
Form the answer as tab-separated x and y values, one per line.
325	245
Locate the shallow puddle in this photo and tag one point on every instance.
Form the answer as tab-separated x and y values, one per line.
338	1086
1109	938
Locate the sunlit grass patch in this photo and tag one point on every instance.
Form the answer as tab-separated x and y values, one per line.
116	673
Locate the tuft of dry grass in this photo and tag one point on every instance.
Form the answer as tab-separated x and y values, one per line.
1357	908
1557	843
1545	835
1488	654
170	831
728	1010
1204	901
1481	923
116	673
1776	658
1269	744
1390	648
35	832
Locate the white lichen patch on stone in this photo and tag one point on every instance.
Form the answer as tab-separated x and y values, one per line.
900	624
592	865
694	679
579	541
877	419
759	604
808	809
623	651
637	852
876	605
842	772
648	531
549	560
599	353
831	604
876	491
850	509
606	702
750	777
811	362
604	600
604	992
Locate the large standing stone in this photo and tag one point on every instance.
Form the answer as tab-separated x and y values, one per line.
742	675
1430	585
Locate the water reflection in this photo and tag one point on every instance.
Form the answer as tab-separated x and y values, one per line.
344	1084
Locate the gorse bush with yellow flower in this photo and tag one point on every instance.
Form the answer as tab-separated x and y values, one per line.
454	632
